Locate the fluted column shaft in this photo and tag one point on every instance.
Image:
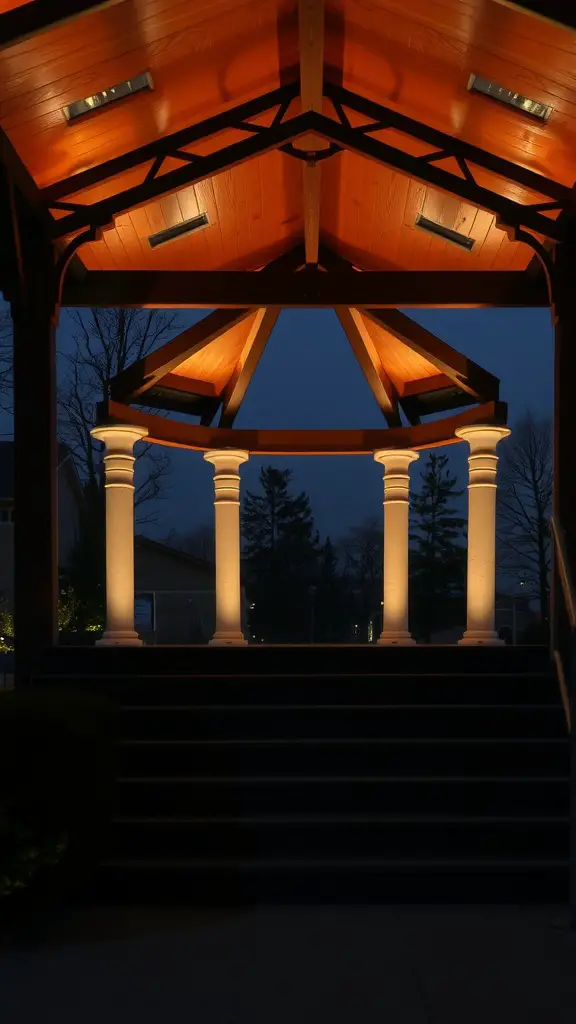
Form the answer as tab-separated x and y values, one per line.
119	484
396	464
226	464
481	579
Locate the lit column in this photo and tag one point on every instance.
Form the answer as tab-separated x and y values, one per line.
396	509
481	586
119	483
226	464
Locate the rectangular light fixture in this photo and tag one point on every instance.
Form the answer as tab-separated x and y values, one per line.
448	234
512	99
101	99
184	228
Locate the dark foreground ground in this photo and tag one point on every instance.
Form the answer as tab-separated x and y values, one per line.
397	965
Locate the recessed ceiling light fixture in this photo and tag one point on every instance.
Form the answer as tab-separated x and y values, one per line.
184	228
512	99
101	99
448	234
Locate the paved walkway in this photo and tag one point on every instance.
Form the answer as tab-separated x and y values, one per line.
405	965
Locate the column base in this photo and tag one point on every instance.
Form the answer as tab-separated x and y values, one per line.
395	638
228	640
120	638
481	638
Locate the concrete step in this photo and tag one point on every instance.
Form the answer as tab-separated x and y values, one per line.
345	756
257	721
347	835
315	794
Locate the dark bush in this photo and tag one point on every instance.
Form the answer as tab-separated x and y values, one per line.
57	786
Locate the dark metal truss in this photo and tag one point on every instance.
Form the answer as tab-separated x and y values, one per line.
280	133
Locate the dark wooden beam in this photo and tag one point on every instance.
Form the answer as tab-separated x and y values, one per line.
463	372
363	348
169	144
309	288
557	11
507	211
247	363
102	213
302	442
41	15
133	383
447	145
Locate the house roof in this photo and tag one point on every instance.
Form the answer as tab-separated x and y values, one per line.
149	544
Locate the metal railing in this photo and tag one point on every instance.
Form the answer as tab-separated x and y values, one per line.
563	653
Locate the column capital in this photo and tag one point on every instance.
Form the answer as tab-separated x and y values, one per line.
483	437
119	437
395	458
227	460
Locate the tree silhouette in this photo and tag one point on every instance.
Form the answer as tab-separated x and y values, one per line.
438	554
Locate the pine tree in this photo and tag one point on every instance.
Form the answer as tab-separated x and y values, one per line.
280	556
438	555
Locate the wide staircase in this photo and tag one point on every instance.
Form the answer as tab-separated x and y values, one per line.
351	774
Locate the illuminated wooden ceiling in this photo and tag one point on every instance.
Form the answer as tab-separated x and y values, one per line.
206	56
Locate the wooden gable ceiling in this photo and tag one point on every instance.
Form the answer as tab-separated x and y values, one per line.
207	56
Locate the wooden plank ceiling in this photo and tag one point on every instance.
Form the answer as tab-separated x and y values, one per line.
206	56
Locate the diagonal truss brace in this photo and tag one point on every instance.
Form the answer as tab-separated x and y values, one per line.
339	132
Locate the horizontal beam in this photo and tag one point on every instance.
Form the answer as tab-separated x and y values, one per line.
301	442
29	19
197	289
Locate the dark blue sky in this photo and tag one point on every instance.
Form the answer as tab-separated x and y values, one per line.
308	377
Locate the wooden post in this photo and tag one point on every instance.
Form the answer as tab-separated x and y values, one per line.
564	313
34	306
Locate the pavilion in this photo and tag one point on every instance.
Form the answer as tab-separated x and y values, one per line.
246	157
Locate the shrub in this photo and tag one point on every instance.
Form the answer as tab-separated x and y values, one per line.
57	785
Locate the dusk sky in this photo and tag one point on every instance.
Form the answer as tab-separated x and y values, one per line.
308	377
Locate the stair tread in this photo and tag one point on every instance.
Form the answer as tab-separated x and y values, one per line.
346	740
556	708
354	863
339	779
344	819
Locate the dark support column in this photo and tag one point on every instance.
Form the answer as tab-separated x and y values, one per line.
564	311
34	307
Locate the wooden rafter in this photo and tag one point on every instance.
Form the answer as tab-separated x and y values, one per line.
302	442
363	348
29	19
146	373
193	171
311	18
198	289
463	372
249	358
557	11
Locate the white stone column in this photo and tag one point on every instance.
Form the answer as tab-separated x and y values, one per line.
226	464
481	585
396	511
119	483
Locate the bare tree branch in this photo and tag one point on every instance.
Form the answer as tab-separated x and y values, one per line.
525	506
106	341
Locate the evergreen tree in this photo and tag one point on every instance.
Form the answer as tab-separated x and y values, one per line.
280	557
438	555
331	612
